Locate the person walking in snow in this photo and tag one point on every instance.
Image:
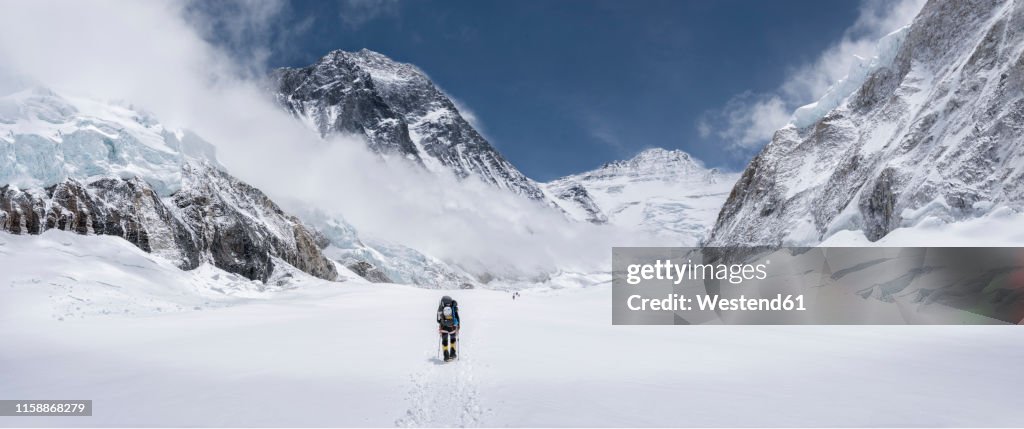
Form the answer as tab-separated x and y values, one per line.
448	326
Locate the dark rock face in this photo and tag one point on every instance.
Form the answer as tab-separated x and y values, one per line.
21	213
340	97
242	228
576	193
129	209
369	272
399	111
937	133
215	218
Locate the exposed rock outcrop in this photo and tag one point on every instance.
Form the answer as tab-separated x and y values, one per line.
213	218
369	272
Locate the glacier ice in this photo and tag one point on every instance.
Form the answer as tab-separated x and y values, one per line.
47	137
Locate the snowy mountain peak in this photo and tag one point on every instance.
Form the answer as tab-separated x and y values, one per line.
399	111
654	164
385	71
667	193
658	158
381	69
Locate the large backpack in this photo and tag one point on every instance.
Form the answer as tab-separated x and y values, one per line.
448	319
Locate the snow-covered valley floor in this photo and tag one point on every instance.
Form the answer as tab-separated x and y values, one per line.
94	318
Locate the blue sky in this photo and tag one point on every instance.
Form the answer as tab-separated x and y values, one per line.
563	86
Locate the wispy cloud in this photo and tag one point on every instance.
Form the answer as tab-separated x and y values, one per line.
747	121
247	30
355	13
599	128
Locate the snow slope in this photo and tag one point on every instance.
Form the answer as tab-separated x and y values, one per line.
666	193
358	354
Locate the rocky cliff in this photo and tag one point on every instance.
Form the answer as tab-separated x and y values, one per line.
213	218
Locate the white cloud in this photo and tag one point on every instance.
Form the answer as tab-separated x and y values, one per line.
751	118
150	54
747	121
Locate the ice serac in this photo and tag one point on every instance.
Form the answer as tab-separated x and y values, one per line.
399	111
46	137
933	133
664	192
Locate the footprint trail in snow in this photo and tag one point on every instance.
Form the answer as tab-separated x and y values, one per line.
443	395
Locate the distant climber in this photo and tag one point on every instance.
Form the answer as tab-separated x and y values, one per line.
448	326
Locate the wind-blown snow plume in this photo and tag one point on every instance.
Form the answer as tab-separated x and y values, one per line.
748	120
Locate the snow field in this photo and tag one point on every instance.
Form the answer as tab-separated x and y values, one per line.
358	354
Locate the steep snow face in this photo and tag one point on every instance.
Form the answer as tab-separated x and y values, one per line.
936	133
667	193
46	138
399	111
